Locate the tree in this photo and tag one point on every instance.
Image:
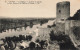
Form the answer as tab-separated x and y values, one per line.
26	37
20	37
30	37
14	39
37	40
52	36
32	45
42	43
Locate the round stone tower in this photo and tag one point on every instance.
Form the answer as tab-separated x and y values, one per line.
63	11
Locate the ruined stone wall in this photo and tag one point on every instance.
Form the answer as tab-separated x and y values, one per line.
44	33
71	24
59	28
67	27
72	29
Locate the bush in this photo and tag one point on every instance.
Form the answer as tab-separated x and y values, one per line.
32	45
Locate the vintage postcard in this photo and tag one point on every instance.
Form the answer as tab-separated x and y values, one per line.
39	24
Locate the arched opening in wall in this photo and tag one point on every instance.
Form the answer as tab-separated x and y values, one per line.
59	11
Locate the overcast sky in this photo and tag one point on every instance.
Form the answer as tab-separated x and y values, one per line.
46	9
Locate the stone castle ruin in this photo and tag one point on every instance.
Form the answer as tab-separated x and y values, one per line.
64	26
62	13
72	28
71	25
63	34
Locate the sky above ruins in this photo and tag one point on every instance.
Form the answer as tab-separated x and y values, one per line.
45	9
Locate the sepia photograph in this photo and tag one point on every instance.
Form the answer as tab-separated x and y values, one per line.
39	24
